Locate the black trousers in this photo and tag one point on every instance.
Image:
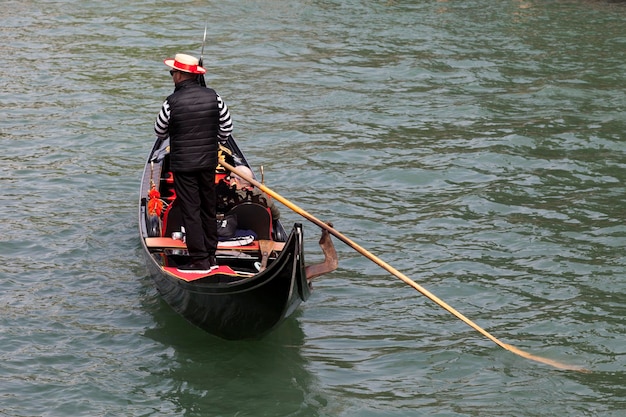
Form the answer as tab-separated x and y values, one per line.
196	194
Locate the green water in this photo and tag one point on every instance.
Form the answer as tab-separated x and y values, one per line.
476	146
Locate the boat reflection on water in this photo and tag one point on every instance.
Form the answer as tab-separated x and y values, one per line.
201	373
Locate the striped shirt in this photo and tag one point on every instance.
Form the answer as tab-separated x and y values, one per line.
225	125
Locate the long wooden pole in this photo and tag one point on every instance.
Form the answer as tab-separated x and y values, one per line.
400	275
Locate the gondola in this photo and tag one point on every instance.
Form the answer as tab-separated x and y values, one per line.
258	284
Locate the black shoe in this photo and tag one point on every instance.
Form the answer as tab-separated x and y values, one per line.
203	266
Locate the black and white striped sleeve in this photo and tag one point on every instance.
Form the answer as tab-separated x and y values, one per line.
226	123
162	121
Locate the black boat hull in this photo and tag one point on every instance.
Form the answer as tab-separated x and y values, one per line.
245	309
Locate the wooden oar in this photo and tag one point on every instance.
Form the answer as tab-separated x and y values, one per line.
401	276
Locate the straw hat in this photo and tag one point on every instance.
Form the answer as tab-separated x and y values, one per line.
185	63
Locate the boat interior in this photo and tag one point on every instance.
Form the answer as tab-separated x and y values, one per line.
261	239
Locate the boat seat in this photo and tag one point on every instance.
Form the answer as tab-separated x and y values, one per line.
255	217
250	216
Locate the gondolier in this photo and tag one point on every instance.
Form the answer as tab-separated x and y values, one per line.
195	119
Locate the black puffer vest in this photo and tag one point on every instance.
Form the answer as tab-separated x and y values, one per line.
193	127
